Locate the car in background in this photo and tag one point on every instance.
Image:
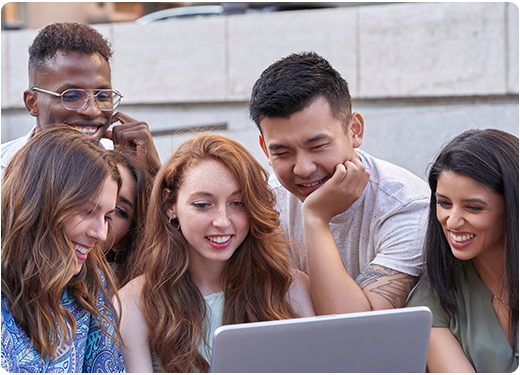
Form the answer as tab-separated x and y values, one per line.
182	12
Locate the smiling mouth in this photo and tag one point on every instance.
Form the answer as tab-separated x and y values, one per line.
461	239
219	239
87	130
82	250
314	183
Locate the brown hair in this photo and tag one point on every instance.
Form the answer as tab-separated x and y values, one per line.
144	181
256	278
51	179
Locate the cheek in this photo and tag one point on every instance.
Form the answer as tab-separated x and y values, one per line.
72	228
242	221
191	221
442	216
282	168
119	228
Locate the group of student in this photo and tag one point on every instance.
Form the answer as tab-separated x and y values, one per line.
113	262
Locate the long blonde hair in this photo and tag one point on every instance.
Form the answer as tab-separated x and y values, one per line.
48	181
256	278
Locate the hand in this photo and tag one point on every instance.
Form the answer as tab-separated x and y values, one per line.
338	193
134	135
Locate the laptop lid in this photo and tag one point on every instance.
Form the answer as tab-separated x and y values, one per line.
377	341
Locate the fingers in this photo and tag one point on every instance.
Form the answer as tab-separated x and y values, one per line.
338	193
130	134
121	117
134	135
351	175
356	175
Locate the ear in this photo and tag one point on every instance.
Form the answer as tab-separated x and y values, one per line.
30	98
171	210
264	148
358	128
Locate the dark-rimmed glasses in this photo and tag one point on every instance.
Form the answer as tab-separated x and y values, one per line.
77	99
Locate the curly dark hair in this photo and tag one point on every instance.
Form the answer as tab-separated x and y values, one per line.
67	36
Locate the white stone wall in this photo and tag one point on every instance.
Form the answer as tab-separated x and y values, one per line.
419	73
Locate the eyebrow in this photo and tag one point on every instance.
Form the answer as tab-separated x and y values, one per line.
465	200
126	201
207	194
316	138
70	86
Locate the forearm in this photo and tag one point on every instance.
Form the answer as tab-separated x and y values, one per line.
333	290
445	353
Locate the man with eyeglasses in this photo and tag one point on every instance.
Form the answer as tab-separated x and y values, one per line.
70	83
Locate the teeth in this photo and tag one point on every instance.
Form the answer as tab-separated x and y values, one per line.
81	249
221	239
313	184
462	238
86	130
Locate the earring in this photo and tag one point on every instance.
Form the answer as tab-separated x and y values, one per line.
177	225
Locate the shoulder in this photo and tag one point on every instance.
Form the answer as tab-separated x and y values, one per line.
394	181
132	290
11	147
300	279
14	339
424	295
300	294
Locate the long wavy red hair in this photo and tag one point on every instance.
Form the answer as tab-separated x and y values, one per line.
256	279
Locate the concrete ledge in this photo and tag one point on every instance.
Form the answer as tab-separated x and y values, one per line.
256	41
384	51
170	61
433	49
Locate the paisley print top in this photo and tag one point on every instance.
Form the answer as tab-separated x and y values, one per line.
90	351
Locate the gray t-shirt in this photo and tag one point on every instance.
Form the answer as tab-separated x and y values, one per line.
385	226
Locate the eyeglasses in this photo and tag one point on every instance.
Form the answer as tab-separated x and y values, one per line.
77	99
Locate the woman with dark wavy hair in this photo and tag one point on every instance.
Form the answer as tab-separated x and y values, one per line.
471	277
127	222
212	254
58	195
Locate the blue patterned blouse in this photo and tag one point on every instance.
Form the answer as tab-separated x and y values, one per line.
91	350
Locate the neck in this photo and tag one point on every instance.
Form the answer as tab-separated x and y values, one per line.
207	276
491	271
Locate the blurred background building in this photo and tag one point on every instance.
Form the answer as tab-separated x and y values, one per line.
419	73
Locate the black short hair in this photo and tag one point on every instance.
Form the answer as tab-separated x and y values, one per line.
66	37
296	81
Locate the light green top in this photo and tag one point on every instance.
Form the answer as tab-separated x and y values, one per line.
215	309
476	326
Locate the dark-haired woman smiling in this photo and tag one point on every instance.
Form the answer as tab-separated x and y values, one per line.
471	278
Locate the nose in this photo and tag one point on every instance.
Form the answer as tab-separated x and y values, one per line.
455	219
221	219
304	166
98	230
91	109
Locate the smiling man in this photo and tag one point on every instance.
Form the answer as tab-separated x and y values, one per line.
70	83
358	221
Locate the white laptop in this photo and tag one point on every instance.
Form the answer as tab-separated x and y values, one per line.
377	341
